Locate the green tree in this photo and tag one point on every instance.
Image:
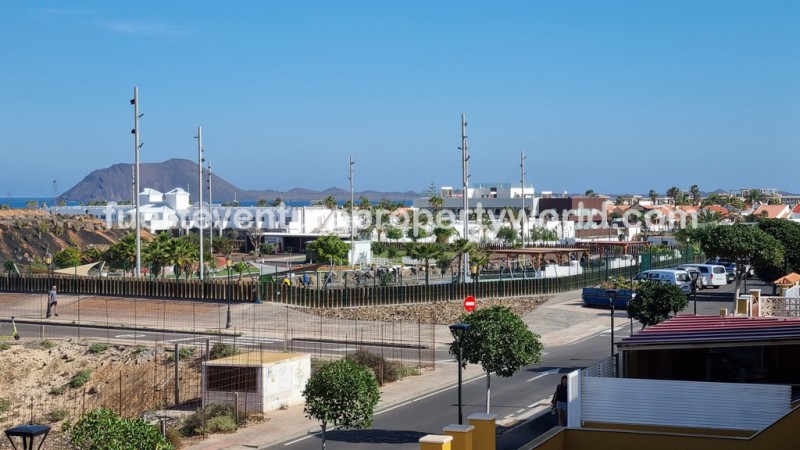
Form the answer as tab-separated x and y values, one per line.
329	202
425	252
394	233
364	203
708	216
341	394
543	234
277	202
435	203
443	234
589	193
122	254
185	254
507	234
654	301
93	254
240	268
103	428
69	257
327	248
743	244
788	234
500	341
695	192
224	245
461	247
753	196
9	266
261	203
653	195
158	253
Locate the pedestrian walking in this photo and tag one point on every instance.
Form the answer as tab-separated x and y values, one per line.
559	402
52	302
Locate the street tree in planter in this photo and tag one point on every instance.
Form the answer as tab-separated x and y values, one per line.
654	302
500	342
341	394
103	428
744	244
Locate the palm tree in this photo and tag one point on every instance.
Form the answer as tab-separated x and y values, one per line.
589	193
158	253
461	247
479	260
443	234
184	254
240	268
753	196
435	203
123	253
695	192
329	202
653	195
277	202
364	203
426	252
708	216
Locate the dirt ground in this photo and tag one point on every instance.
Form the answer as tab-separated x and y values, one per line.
35	381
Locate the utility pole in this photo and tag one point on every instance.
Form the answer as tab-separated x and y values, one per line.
210	212
464	192
137	145
352	230
522	183
200	218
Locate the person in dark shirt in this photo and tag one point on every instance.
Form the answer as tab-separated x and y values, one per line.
559	402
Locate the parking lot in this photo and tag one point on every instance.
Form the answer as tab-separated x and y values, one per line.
710	301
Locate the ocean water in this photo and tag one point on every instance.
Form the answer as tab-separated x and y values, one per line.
20	202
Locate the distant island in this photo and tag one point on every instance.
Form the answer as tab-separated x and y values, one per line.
114	184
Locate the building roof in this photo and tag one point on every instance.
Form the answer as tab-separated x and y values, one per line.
717	209
772	211
789	279
177	190
796	209
711	331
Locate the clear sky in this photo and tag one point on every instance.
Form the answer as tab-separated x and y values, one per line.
614	96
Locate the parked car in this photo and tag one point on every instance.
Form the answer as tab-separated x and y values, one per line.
730	267
678	277
701	281
714	275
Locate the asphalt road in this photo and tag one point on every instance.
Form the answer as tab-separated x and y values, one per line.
520	401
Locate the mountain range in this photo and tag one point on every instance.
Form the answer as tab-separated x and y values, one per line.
115	184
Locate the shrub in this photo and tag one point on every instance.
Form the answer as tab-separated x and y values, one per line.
97	347
214	418
4	346
385	371
220	350
174	437
5	405
80	378
58	390
103	428
47	344
57	415
139	349
183	353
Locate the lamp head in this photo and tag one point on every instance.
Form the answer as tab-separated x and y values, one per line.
459	327
48	259
228	262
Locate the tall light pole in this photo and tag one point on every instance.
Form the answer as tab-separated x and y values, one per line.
48	259
210	213
352	232
459	330
228	264
695	276
465	192
137	145
612	298
200	221
522	183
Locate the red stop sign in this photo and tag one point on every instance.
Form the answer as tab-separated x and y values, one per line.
469	303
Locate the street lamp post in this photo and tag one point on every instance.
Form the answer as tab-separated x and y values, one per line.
695	276
612	297
459	330
48	259
228	264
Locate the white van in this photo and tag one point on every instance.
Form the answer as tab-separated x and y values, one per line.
714	275
678	277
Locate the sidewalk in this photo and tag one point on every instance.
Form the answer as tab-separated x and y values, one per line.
560	321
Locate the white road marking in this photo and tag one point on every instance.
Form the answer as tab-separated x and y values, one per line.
129	336
549	372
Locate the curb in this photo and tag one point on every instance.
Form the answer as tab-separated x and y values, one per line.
124	328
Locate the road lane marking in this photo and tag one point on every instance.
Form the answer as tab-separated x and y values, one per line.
129	336
549	372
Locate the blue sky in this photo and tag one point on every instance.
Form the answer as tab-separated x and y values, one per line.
614	96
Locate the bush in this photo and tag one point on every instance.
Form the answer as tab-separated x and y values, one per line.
385	371
5	405
139	349
58	390
4	346
220	350
214	418
97	347
183	353
47	344
80	378
174	437
103	428
57	415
